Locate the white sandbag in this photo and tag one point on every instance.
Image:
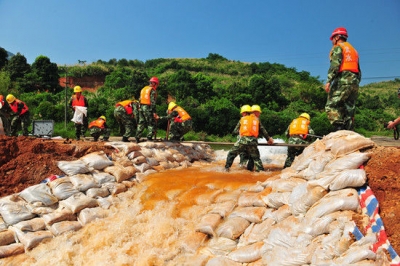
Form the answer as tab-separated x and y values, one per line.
163	156
101	192
132	155
73	167
90	214
247	199
349	178
3	225
97	160
78	202
252	214
280	237
61	214
39	193
79	113
32	239
41	210
83	182
356	254
207	197
185	259
11	250
191	242
123	161
349	144
346	199
62	188
65	226
121	173
104	203
221	246
222	261
324	179
304	196
228	196
276	200
153	162
209	222
248	253
179	157
224	208
278	215
283	185
233	227
33	225
317	165
143	167
349	161
102	177
146	152
13	209
7	237
115	188
139	160
256	232
123	148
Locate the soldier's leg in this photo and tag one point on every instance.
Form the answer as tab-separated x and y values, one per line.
236	149
25	122
78	131
141	125
254	153
335	107
350	105
15	122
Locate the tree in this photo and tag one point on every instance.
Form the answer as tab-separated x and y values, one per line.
3	58
45	75
17	67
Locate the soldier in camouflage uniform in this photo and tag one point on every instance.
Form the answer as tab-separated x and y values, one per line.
249	128
126	113
298	132
343	81
99	127
5	113
180	122
147	111
20	115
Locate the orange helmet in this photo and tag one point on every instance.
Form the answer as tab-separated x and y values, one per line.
154	79
339	31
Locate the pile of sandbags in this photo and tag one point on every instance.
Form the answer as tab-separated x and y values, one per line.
303	216
68	202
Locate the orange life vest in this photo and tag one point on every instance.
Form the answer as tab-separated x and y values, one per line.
97	123
127	104
249	126
182	113
14	107
78	102
299	126
145	95
350	58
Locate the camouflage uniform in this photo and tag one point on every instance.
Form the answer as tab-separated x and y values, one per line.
249	146
96	132
126	122
5	113
177	129
146	118
340	105
18	120
292	152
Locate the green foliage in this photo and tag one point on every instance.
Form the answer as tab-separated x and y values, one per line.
3	58
5	82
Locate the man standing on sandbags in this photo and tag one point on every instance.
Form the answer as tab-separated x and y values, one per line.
298	132
249	130
78	100
344	76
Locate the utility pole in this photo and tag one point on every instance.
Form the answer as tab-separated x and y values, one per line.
66	100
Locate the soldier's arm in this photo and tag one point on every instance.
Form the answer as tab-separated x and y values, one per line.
336	61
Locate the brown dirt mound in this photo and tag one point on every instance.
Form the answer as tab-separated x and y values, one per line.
26	161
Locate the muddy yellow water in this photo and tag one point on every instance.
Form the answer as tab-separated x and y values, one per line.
153	223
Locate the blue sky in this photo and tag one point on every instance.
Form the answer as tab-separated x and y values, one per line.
294	33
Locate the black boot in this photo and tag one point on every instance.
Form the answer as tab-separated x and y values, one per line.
125	139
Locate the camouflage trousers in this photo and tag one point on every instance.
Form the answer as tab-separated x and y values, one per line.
6	123
341	104
251	149
126	122
80	129
20	121
96	132
292	152
177	130
146	119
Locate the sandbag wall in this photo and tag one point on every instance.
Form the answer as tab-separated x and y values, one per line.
303	216
66	203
